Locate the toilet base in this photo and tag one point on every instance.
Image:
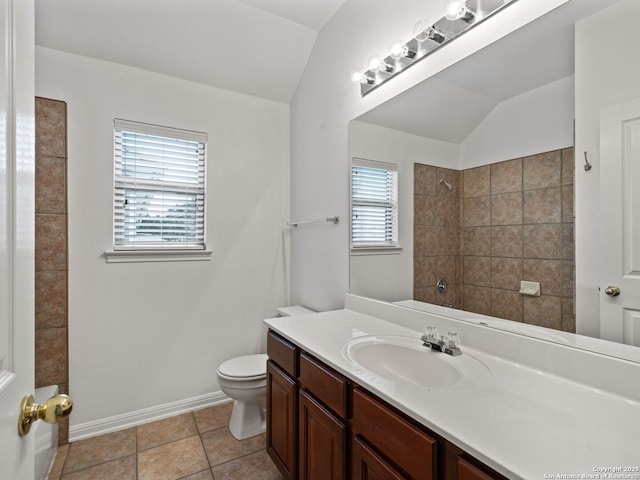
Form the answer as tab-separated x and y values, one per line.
248	419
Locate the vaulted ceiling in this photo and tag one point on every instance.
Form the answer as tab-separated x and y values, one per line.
257	47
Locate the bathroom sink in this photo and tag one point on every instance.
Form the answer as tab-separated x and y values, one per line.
404	359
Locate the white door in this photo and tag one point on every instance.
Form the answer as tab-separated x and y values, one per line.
620	222
16	232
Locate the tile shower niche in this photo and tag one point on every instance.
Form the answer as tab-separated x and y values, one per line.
487	228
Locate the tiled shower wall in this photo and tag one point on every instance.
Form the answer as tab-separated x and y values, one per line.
516	223
51	326
436	234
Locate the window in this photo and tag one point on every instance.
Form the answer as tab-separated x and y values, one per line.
374	204
159	188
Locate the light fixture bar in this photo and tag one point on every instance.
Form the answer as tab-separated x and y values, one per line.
468	14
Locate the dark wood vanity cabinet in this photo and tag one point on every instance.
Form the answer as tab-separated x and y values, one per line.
282	405
399	444
322	426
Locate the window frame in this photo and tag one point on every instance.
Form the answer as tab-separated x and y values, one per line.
163	250
374	248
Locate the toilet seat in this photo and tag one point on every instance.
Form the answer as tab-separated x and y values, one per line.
245	368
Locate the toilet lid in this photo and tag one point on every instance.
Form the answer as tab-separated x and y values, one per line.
245	366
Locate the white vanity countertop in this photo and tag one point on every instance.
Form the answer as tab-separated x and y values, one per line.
524	423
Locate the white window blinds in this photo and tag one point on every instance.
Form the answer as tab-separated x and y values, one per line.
374	204
159	193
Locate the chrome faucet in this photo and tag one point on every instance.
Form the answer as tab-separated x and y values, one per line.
449	343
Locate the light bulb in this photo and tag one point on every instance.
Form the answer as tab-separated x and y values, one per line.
458	10
396	49
420	30
375	63
356	77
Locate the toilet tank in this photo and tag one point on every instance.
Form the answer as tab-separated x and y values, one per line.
292	310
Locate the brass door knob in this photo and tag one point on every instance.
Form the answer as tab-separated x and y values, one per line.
612	291
54	410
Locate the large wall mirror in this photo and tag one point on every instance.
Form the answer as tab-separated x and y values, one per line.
489	161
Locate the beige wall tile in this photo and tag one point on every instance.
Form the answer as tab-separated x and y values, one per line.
544	311
477	181
541	171
447	211
542	241
51	242
424	271
424	210
424	179
568	315
568	243
506	177
476	211
506	273
476	299
476	241
568	166
425	241
51	127
447	268
547	272
506	241
506	209
50	185
51	356
425	294
477	271
543	205
568	278
506	304
448	241
51	295
567	204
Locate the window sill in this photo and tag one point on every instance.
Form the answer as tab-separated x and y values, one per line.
140	256
376	251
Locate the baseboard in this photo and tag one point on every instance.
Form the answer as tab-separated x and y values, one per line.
151	414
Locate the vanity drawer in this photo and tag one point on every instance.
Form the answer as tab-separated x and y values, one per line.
469	471
328	386
282	352
397	439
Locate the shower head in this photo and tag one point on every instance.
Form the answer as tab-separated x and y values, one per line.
446	184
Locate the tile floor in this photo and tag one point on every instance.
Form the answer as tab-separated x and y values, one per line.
192	446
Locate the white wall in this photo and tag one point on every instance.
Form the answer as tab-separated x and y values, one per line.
390	276
607	72
540	120
146	338
326	101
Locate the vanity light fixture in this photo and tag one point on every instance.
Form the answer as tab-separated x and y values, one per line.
460	16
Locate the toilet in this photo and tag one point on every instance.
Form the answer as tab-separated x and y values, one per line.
244	379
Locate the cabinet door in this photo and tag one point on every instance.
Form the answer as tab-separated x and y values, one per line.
322	440
468	471
281	420
368	465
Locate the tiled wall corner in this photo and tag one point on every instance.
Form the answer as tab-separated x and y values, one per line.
515	222
436	234
51	276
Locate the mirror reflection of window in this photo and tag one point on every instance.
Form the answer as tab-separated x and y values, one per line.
374	204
